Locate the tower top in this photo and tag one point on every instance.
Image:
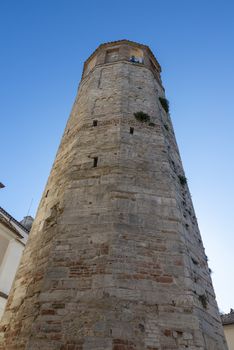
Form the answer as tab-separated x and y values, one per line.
122	50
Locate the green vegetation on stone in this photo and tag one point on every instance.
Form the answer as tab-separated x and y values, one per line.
142	117
203	300
183	180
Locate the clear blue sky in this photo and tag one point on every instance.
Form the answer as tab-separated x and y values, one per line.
43	46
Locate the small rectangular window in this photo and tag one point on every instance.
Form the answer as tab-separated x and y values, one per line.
95	122
95	161
131	131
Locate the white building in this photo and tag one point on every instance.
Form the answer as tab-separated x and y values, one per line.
228	326
13	237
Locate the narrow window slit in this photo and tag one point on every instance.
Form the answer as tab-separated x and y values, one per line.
47	192
95	161
95	122
131	130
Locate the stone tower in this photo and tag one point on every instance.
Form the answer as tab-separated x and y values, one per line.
115	259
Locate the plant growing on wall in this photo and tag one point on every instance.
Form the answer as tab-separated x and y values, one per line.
165	104
142	117
182	179
203	300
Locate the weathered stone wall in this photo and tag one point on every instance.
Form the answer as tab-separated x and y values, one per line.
115	259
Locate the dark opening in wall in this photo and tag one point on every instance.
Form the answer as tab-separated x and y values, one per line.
95	122
47	192
95	161
112	55
131	131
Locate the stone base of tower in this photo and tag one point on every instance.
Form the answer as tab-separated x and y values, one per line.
109	292
104	321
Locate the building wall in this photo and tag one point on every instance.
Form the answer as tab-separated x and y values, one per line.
3	302
10	264
8	270
11	248
229	335
3	247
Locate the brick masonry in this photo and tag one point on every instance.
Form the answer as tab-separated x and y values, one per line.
115	260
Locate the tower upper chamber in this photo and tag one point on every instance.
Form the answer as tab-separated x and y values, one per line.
115	259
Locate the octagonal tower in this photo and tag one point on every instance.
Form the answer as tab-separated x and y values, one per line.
115	259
